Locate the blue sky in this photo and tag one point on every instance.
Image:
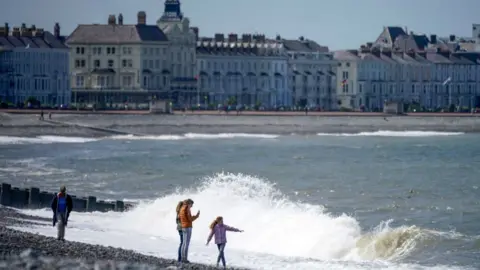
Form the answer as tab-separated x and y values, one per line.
339	24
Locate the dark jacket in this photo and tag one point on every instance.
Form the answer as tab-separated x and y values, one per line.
54	205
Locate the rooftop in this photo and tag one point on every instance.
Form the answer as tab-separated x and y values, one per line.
30	37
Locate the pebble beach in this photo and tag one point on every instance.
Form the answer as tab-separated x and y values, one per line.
23	250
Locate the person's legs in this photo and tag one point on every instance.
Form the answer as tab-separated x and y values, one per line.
60	226
187	233
221	254
180	246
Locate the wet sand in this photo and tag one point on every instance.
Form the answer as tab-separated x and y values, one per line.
28	125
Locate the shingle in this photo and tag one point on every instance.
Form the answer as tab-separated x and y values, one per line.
54	42
15	41
46	41
5	43
104	33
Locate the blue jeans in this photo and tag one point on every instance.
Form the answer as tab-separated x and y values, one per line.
221	254
180	246
187	234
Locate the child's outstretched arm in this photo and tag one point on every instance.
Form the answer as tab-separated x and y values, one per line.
210	236
232	229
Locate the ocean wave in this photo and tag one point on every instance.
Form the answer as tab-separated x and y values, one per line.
289	234
9	140
386	133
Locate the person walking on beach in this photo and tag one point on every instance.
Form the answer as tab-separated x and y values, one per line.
186	221
179	229
219	230
62	205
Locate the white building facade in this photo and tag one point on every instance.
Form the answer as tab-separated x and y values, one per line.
249	71
117	64
182	48
38	65
425	81
311	74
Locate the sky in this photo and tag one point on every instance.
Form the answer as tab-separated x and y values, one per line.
338	24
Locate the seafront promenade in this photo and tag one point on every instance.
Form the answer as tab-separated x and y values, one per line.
234	113
33	198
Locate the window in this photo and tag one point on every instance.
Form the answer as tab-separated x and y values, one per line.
108	50
79	63
99	50
80	50
96	63
127	81
124	63
413	88
157	64
79	81
157	51
145	81
110	63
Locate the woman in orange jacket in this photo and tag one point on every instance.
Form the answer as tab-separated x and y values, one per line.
186	222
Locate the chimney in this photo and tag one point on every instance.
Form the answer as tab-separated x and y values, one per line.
246	38
364	49
56	30
301	38
452	38
39	32
7	30
112	20
278	38
24	26
142	17
25	32
219	37
433	39
387	52
196	31
369	44
16	32
232	38
33	27
120	19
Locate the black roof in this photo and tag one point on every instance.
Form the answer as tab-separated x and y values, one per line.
47	40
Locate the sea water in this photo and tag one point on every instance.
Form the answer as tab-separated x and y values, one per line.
382	200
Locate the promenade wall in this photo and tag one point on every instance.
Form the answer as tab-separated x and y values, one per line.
33	198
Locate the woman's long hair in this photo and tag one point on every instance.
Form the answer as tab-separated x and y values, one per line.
179	206
215	222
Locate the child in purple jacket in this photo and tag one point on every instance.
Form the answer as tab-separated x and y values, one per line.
220	231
